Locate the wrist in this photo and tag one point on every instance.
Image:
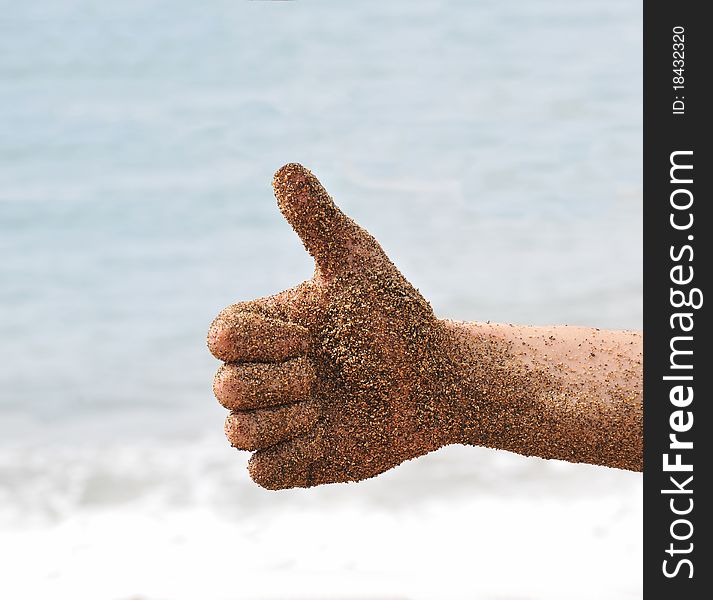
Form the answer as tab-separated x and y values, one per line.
474	401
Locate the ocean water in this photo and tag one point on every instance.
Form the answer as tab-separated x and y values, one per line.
495	151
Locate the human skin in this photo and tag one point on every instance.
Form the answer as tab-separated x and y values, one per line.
350	373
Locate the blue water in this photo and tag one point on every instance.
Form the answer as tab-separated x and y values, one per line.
494	148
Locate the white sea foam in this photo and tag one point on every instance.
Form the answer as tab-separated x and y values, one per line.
184	521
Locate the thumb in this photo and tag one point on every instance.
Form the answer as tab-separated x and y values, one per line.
332	238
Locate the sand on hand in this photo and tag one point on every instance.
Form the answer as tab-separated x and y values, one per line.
350	373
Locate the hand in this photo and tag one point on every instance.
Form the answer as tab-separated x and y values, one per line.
341	377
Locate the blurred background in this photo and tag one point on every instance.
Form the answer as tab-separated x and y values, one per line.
494	148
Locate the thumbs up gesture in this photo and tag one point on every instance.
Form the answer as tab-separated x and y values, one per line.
350	373
341	377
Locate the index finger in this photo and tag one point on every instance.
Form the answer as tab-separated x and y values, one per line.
249	337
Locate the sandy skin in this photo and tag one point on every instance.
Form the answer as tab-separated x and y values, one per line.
350	373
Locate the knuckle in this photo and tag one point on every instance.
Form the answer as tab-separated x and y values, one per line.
242	431
262	471
227	388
